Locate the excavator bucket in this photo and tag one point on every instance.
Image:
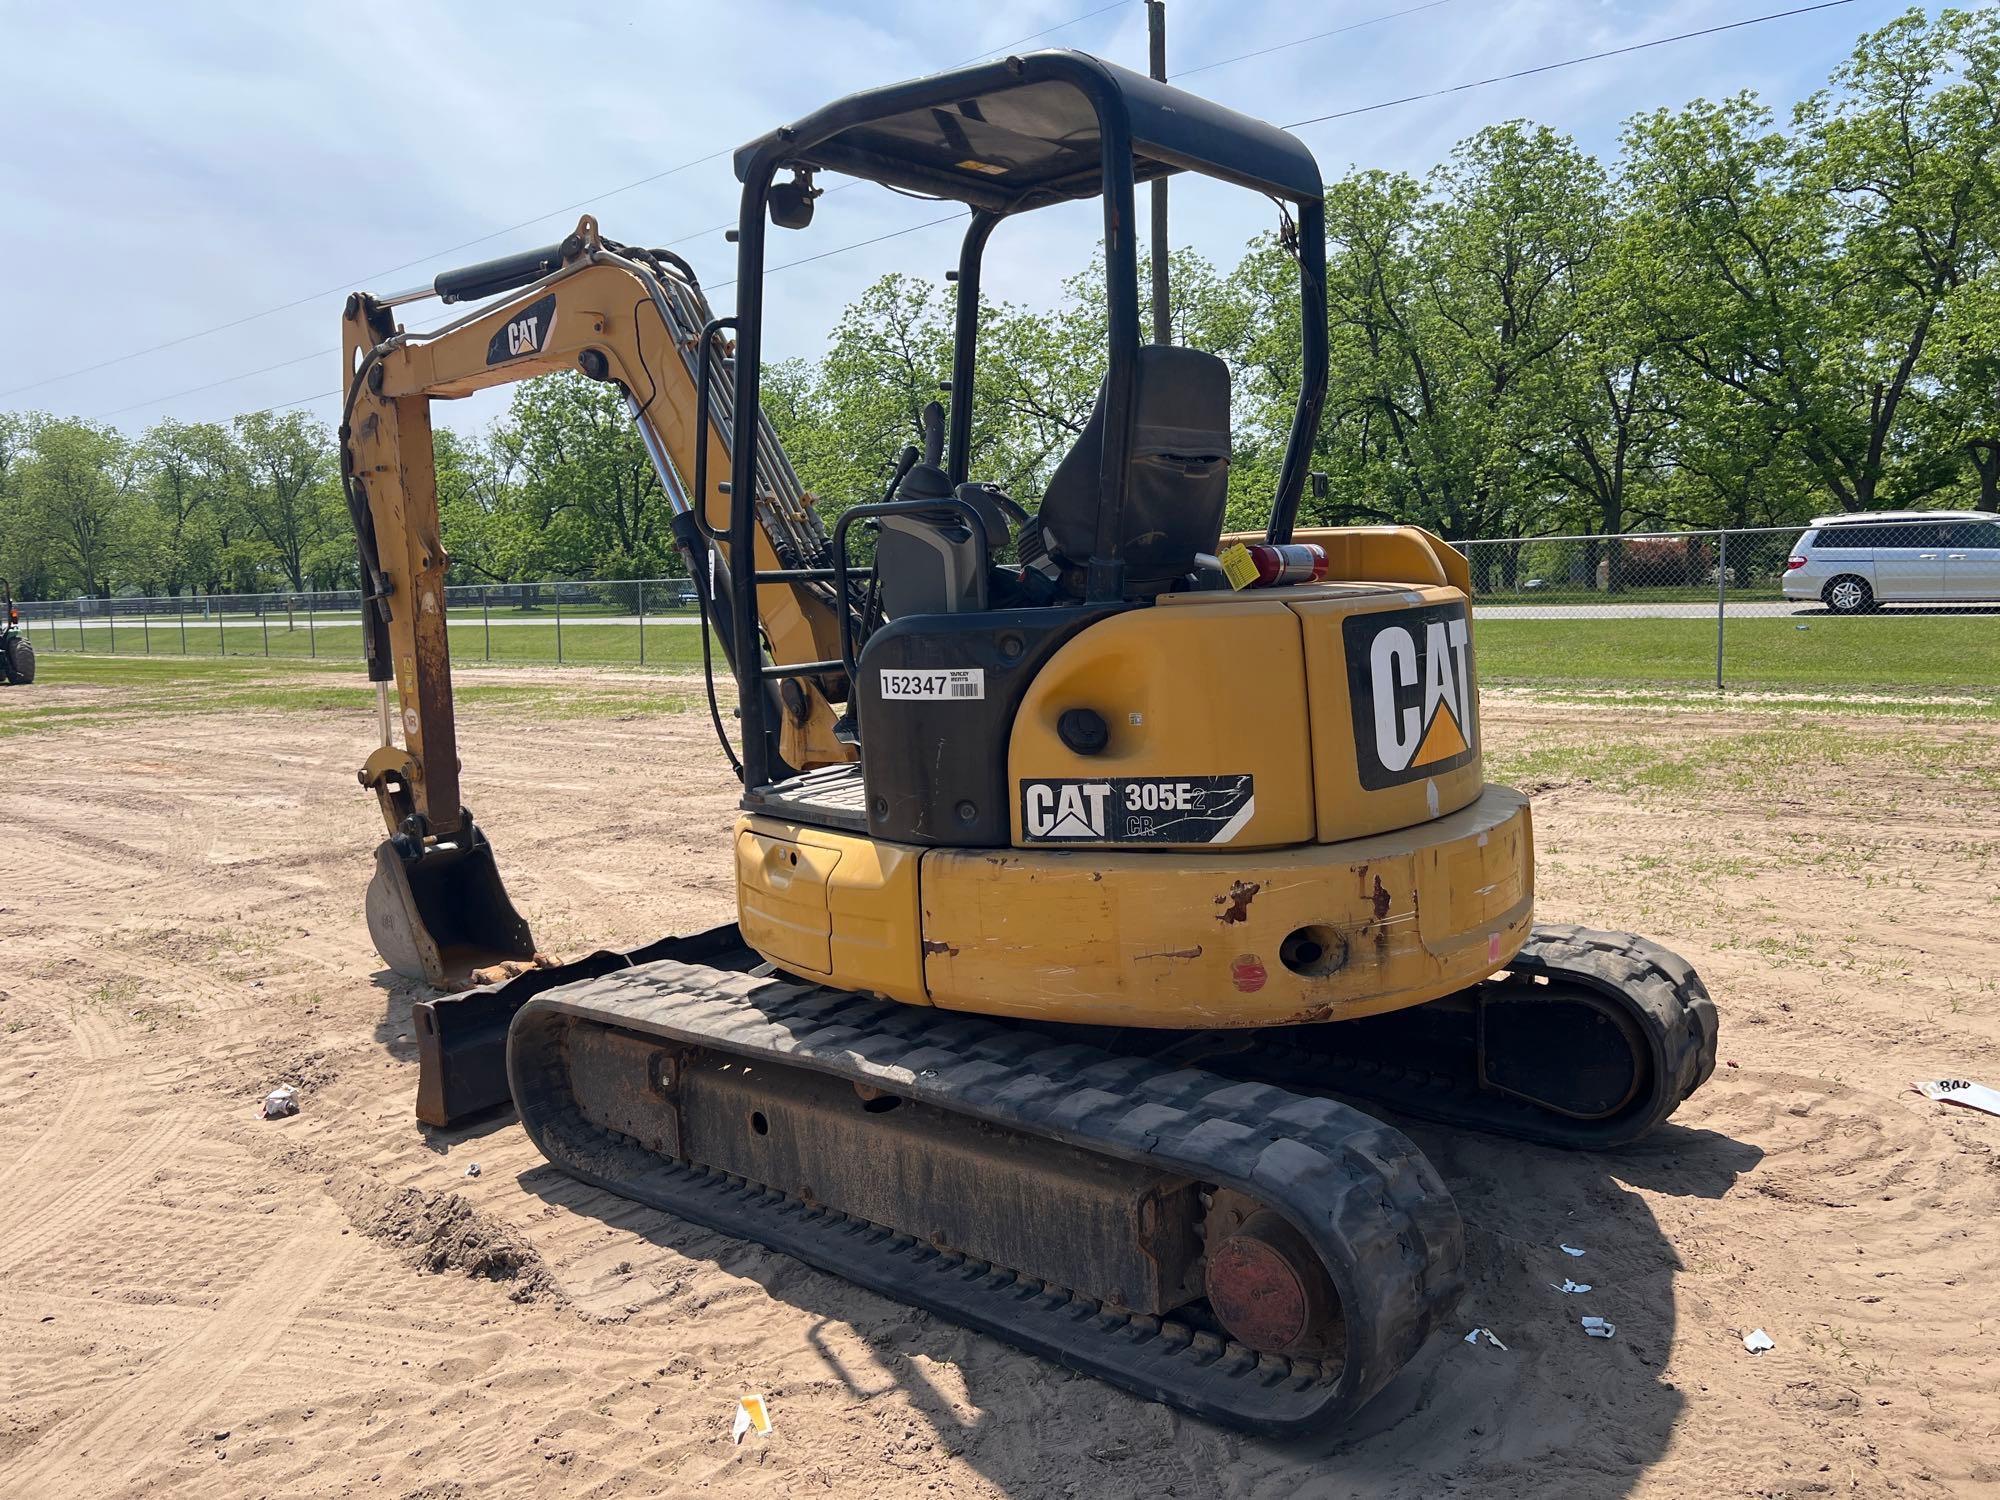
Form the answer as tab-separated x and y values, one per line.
444	917
444	913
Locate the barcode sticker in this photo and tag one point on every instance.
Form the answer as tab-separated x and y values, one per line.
947	683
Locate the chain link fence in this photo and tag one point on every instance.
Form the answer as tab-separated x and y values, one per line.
1869	603
1858	605
640	621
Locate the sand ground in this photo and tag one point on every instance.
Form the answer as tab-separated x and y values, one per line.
196	1302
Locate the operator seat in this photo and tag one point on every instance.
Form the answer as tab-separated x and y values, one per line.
1179	479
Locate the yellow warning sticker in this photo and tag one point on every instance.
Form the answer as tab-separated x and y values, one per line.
969	165
1238	566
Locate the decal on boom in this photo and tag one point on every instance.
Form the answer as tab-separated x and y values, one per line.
527	332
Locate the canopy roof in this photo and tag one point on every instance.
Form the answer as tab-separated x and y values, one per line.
1030	130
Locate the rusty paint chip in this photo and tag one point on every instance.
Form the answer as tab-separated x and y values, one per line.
1236	904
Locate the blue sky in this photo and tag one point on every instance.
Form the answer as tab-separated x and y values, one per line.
171	168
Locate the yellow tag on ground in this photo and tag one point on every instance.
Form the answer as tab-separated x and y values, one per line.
1238	566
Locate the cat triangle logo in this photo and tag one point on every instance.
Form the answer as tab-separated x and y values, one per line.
1073	810
1073	825
1410	674
1442	741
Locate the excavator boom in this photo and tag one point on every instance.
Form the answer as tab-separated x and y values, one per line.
638	319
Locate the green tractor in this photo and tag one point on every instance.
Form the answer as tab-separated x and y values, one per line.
17	657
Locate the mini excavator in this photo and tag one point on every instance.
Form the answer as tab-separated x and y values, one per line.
1088	896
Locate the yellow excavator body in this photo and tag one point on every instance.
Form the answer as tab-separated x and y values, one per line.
1092	866
1294	890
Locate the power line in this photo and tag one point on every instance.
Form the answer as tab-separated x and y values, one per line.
349	284
329	353
195	390
1568	62
1034	36
930	223
188	338
857	245
1317	36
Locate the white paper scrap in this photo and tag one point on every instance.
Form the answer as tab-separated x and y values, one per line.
1486	1333
752	1415
1569	1250
1958	1091
1757	1341
1571	1286
1597	1328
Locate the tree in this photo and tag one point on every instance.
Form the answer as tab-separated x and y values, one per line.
283	465
1907	153
189	468
587	486
1807	276
77	498
480	509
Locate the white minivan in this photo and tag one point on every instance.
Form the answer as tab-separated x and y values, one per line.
1852	563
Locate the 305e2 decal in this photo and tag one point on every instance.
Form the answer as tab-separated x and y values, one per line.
1409	678
1136	809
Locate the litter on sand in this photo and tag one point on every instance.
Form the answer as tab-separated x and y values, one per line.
1958	1091
1571	1286
1485	1333
472	1170
1757	1341
281	1102
1597	1328
752	1415
1569	1250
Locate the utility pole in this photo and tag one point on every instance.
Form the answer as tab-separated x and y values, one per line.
1163	321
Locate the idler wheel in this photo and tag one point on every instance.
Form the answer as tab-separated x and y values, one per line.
1267	1286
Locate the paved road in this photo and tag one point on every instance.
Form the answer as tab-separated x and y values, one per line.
1745	609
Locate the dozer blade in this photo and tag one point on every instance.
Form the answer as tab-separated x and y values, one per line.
462	1038
444	913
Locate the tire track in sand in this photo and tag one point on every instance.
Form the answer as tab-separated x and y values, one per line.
106	1443
31	1223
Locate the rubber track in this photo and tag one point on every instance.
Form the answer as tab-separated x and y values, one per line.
1372	1205
1659	990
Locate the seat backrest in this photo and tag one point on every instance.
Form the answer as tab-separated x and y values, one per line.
1179	472
929	566
929	561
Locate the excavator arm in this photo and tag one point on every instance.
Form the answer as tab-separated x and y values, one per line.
633	318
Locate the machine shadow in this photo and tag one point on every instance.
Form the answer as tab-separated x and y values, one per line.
396	1031
1554	1408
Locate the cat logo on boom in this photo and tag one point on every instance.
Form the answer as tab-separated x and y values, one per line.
1409	675
527	332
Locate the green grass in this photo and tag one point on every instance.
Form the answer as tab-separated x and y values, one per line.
1803	752
1903	653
